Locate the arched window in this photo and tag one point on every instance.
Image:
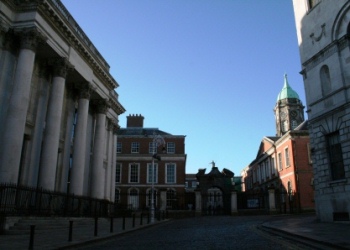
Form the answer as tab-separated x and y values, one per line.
133	199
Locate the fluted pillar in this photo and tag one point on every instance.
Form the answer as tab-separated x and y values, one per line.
49	155
77	171
17	109
97	176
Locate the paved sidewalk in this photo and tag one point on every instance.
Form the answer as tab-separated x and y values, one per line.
335	235
332	234
57	238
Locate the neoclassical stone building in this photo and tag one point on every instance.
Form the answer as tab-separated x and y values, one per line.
323	30
58	106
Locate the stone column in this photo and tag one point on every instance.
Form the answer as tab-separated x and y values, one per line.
77	171
198	202
63	169
17	108
30	173
8	51
97	176
114	162
47	172
234	203
109	173
272	203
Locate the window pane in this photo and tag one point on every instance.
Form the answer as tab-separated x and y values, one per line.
119	147
171	148
135	147
170	173
150	171
118	172
134	173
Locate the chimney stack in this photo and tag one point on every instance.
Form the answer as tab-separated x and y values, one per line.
134	121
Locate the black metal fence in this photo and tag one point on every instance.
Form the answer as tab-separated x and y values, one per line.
252	201
26	201
287	202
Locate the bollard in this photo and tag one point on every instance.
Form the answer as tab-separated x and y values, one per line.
148	218
70	230
124	222
31	240
141	218
133	220
111	226
95	230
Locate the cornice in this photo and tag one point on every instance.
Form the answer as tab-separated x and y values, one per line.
54	12
116	106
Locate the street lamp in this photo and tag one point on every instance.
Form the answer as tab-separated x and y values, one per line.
157	140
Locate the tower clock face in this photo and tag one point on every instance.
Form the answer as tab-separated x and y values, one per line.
293	113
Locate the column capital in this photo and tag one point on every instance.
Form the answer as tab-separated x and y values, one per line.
113	125
84	89
61	66
30	38
101	106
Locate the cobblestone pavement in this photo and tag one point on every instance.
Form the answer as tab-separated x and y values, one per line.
212	232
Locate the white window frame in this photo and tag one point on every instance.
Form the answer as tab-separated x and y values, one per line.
166	172
138	172
135	147
170	147
273	167
118	165
287	157
149	172
280	161
152	148
119	147
133	200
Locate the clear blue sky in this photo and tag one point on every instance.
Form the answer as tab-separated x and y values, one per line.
207	69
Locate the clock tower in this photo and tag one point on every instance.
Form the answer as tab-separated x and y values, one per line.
289	111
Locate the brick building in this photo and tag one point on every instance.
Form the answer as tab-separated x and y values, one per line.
137	148
283	161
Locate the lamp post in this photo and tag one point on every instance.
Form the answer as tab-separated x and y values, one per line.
157	140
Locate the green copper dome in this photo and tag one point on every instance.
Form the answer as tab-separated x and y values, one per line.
287	91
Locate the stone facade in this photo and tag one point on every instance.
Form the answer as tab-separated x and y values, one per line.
323	35
58	105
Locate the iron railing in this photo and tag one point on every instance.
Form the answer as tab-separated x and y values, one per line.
18	200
